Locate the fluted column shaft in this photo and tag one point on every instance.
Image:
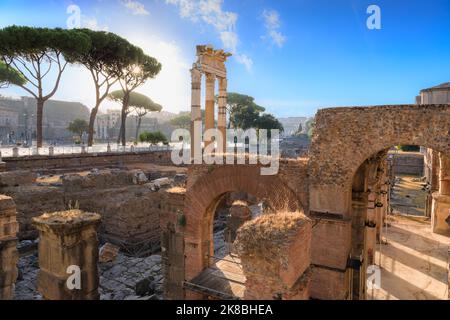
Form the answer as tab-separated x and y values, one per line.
209	103
222	118
196	114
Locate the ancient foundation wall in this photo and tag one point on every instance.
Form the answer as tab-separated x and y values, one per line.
86	160
129	209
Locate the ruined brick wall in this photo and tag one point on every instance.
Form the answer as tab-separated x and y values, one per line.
130	212
275	253
292	173
86	160
344	137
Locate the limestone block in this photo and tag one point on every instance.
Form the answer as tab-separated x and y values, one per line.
161	182
328	284
331	243
139	177
330	199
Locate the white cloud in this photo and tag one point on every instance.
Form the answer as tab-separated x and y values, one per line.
211	13
245	60
135	7
92	23
272	24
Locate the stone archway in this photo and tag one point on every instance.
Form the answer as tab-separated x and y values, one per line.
203	195
344	139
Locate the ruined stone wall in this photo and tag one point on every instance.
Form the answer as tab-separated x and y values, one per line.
409	163
130	209
345	137
275	253
87	160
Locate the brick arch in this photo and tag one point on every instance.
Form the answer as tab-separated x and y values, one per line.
204	195
345	137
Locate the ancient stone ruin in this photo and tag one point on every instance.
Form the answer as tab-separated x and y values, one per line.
321	218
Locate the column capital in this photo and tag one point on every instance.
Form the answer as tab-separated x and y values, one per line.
223	82
210	77
196	75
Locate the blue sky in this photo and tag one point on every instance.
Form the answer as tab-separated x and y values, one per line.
292	56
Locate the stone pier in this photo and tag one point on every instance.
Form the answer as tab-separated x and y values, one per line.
68	255
440	210
275	255
8	247
172	222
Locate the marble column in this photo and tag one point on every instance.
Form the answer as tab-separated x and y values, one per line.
8	247
68	255
196	113
222	118
209	103
440	210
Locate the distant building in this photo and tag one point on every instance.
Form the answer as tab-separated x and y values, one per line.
107	125
291	124
439	94
18	119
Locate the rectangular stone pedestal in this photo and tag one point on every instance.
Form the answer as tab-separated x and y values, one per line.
8	247
275	253
68	255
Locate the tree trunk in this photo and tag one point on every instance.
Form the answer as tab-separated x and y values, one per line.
39	117
126	99
91	125
137	128
120	133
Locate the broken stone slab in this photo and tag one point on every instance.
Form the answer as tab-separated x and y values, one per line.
161	182
108	253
